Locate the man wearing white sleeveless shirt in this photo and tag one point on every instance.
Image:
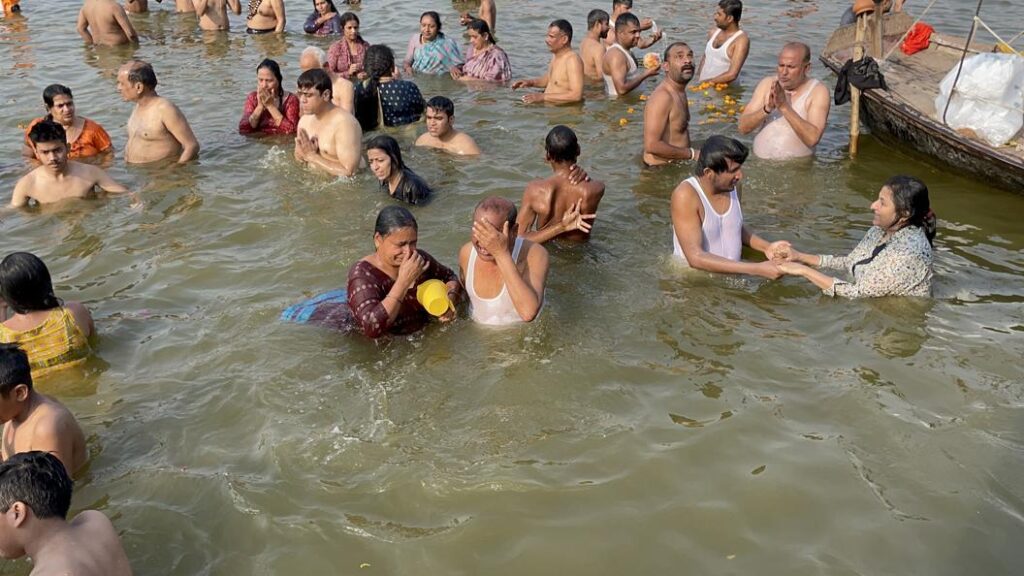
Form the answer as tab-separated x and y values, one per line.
707	221
620	70
727	46
504	275
789	109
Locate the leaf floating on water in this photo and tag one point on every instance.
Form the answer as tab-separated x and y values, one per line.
724	415
759	469
730	556
683	420
364	565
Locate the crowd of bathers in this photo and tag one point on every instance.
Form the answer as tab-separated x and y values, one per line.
356	88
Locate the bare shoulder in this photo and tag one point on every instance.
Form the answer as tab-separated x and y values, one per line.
95	523
536	254
464	253
424	140
538	189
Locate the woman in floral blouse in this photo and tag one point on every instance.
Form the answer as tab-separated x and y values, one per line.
895	256
484	59
345	57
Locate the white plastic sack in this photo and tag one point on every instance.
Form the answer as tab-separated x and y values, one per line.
989	97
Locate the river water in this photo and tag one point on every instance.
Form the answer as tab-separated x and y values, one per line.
652	420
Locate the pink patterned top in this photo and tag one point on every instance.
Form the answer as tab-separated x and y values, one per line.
340	57
491	64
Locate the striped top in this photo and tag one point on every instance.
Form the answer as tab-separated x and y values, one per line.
56	343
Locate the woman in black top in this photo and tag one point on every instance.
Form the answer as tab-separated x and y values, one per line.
396	179
381	97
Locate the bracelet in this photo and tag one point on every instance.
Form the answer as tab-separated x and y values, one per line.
692	155
765	110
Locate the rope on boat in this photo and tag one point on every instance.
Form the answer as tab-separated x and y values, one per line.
963	55
1003	42
902	38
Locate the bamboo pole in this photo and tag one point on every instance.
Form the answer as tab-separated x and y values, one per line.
858	53
876	38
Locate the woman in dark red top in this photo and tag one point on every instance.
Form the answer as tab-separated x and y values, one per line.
269	109
382	286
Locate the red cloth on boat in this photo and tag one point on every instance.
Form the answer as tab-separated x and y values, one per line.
917	39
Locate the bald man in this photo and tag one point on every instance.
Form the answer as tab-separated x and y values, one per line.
504	274
343	92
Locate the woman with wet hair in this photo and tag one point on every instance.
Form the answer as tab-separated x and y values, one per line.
484	59
430	51
895	256
85	137
324	21
382	98
382	286
346	56
396	179
270	109
53	333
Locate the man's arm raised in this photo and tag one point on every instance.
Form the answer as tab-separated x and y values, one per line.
758	108
617	67
527	296
656	114
178	126
686	225
809	130
738	52
346	145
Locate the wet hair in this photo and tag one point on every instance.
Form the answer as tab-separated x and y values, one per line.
350	17
329	3
37	479
716	150
442	104
393	218
499	205
54	90
799	46
389	146
664	57
732	8
142	72
25	283
47	130
317	52
910	197
564	26
316	79
378	61
14	369
625	20
437	20
562	145
275	69
627	3
595	17
480	27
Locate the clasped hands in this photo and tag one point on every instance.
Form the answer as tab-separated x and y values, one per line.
306	146
785	258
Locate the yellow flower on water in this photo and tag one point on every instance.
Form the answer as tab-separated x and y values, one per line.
707	93
630	110
623	121
643	97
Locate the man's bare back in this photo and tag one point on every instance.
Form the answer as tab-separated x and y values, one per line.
592	53
87	546
149	139
79	181
48	427
545	203
105	22
213	14
670	112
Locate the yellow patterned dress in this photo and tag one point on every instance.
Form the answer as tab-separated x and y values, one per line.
56	343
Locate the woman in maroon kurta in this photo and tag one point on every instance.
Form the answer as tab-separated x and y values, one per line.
382	286
269	109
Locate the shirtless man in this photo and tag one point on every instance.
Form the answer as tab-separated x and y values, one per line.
329	138
184	6
35	493
592	48
265	16
620	7
156	128
58	178
556	206
440	132
563	82
137	6
488	13
667	114
727	46
504	275
105	22
342	90
34	421
213	14
618	65
714	242
789	108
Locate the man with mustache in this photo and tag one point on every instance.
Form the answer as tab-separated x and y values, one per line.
592	48
620	70
58	178
667	114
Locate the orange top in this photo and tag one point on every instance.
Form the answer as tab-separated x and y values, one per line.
92	141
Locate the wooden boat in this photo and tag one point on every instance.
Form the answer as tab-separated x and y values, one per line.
905	115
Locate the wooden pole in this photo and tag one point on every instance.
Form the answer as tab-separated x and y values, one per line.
876	39
858	53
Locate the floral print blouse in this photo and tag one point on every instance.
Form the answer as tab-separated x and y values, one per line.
901	266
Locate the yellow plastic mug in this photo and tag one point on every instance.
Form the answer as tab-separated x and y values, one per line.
433	296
